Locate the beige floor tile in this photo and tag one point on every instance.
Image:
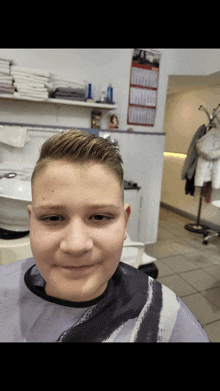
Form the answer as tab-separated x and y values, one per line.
199	279
177	285
182	247
160	250
179	263
201	259
163	269
213	331
196	242
214	253
163	234
213	270
203	309
198	268
213	295
173	226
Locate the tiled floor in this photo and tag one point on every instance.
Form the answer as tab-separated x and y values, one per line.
190	268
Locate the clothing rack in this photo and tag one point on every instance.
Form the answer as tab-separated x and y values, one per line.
200	228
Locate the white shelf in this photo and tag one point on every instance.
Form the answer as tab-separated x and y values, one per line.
104	106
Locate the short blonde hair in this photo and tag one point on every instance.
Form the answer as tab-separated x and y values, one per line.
79	147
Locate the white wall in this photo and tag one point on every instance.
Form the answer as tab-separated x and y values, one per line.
142	155
101	66
97	66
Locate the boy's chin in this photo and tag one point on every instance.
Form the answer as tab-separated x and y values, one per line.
77	291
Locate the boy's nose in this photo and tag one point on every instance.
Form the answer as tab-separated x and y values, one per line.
76	240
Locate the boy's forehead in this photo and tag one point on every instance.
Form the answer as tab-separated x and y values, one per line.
89	181
62	168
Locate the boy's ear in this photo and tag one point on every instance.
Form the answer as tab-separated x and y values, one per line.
29	209
127	212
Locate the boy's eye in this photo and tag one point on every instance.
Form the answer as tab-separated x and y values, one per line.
100	217
52	218
56	219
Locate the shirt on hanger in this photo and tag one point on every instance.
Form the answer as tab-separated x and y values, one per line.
208	165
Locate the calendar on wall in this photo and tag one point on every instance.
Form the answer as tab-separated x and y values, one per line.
143	87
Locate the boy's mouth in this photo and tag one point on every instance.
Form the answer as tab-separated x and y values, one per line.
77	267
80	267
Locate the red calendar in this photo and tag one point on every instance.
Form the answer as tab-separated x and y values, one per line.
143	87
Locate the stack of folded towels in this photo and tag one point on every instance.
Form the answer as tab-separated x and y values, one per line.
30	83
6	86
61	87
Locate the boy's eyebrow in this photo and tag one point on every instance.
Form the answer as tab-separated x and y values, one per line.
49	206
102	206
91	206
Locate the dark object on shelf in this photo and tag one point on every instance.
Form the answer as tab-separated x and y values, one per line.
96	119
105	102
150	269
6	234
129	185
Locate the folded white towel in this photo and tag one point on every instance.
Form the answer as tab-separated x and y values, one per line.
5	61
4	64
30	81
56	77
19	85
4	71
24	87
35	97
30	71
31	76
7	81
13	135
4	74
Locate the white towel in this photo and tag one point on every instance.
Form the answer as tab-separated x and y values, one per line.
29	81
30	71
5	71
5	61
29	87
56	77
35	97
13	135
29	77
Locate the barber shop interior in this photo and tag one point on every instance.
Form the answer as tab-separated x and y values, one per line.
161	109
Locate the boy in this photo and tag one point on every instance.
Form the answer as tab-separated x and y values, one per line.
74	289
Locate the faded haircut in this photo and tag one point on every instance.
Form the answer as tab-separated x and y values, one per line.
79	147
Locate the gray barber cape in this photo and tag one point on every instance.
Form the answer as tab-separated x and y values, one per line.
133	308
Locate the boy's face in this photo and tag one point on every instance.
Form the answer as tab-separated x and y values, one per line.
77	228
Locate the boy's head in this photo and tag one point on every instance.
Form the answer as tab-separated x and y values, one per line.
79	147
78	220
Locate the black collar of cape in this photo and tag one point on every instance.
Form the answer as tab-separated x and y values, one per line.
123	299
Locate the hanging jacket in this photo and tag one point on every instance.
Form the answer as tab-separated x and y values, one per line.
192	155
189	167
208	164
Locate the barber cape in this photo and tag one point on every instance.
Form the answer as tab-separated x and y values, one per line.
133	308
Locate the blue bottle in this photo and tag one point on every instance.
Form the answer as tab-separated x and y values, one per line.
89	91
110	93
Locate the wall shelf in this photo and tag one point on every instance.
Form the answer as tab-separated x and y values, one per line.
104	106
